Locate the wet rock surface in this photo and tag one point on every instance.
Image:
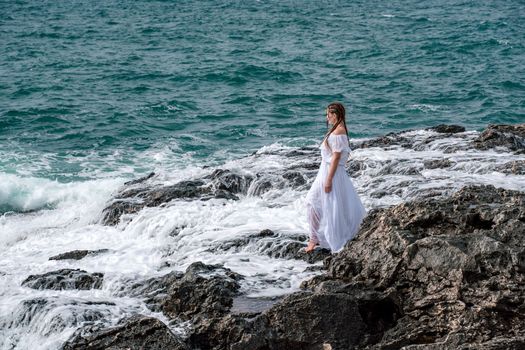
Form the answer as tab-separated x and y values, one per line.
78	254
446	273
135	332
131	200
449	267
509	136
300	321
405	139
65	279
516	167
220	183
444	128
438	163
202	290
276	246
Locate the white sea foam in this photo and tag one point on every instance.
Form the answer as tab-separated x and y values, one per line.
53	205
424	107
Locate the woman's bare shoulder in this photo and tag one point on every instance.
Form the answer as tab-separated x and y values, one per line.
339	131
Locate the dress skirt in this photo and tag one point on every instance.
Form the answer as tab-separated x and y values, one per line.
334	217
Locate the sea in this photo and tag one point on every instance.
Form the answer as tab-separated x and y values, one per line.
97	93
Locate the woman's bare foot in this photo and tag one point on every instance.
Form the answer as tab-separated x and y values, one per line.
310	247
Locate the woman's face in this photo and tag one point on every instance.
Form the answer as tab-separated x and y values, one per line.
331	117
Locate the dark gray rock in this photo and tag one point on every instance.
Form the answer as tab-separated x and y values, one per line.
202	291
399	167
78	254
295	178
276	246
135	332
437	163
152	290
51	308
205	291
501	135
300	321
451	265
131	200
230	182
220	183
65	279
390	139
250	306
515	167
140	180
119	207
444	128
407	141
355	167
295	250
435	273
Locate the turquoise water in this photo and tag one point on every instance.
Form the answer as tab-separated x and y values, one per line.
92	89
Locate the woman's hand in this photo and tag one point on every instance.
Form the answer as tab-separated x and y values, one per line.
328	186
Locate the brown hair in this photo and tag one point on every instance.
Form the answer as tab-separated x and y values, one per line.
339	111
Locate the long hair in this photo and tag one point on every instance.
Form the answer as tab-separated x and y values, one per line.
339	111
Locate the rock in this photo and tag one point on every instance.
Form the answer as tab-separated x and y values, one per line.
65	279
437	163
295	250
309	166
300	321
294	178
356	167
450	265
135	332
252	306
261	185
498	343
406	139
444	128
390	168
266	233
219	184
132	200
78	254
501	135
444	273
308	321
390	139
153	290
230	182
515	167
202	291
117	208
140	180
276	246
59	311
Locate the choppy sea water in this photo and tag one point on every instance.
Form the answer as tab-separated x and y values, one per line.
92	95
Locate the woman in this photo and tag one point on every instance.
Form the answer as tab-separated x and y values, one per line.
334	209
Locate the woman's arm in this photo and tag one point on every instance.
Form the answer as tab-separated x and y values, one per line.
333	167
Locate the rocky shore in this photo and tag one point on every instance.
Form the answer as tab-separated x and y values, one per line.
440	271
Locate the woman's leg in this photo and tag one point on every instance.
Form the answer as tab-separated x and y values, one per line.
313	221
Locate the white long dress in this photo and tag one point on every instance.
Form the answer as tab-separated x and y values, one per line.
334	217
